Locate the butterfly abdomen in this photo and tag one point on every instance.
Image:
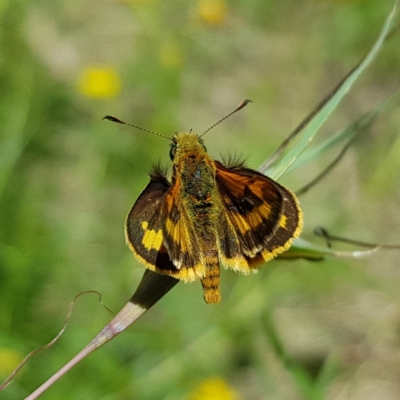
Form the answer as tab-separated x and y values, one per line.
210	282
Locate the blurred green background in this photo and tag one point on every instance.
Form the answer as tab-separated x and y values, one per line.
295	330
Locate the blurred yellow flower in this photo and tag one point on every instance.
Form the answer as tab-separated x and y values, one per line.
137	2
9	361
346	1
214	388
99	81
171	55
212	11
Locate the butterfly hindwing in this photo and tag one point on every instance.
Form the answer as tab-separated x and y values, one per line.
179	236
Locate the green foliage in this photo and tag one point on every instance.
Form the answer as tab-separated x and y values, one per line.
296	329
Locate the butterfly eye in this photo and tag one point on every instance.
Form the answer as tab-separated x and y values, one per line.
172	152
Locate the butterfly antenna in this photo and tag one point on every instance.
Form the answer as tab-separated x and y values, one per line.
118	121
239	107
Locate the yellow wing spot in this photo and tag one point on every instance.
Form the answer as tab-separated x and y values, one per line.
282	222
170	226
152	239
145	225
266	210
191	274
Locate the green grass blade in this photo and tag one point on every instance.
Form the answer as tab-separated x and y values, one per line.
303	249
317	121
349	133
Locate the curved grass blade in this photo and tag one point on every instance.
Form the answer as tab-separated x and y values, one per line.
303	249
312	126
151	288
326	171
323	233
55	339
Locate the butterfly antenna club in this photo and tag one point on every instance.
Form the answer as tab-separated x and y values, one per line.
238	108
118	121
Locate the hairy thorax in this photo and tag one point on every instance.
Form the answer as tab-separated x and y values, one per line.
200	198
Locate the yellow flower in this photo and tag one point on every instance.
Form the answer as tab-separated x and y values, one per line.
171	55
138	2
9	361
214	388
100	82
212	11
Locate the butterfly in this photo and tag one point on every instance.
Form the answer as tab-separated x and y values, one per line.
205	214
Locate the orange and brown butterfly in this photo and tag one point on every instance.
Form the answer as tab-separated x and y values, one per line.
206	214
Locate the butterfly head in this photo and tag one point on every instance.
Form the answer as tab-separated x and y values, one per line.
186	145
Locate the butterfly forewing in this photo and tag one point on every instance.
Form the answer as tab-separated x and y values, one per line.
158	233
144	225
263	216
